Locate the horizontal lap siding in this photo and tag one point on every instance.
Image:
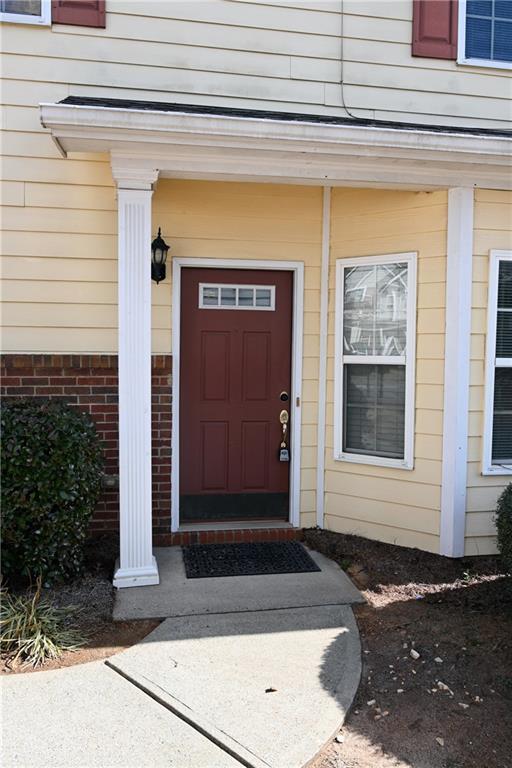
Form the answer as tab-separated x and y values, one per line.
394	505
492	231
253	221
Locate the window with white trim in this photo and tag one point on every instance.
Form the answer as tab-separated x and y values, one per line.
374	375
485	33
26	11
498	389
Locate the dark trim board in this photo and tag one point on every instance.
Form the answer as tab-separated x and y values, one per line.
291	117
233	506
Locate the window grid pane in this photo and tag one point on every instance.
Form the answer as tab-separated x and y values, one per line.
489	30
374	410
218	296
375	310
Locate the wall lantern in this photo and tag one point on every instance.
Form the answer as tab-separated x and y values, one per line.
159	250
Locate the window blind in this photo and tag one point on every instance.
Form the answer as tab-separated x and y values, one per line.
502	406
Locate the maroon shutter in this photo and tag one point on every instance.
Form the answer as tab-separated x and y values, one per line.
434	29
81	13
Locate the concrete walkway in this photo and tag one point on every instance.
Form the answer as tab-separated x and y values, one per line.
256	671
270	686
89	717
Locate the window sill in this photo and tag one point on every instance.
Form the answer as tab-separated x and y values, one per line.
489	64
374	461
497	471
21	18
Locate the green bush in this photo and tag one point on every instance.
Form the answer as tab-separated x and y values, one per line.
52	463
32	630
504	526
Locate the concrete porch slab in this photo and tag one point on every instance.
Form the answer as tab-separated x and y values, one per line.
178	596
271	686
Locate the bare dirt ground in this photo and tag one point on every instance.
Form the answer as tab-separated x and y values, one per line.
452	706
93	597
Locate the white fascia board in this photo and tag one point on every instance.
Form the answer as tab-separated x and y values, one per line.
315	152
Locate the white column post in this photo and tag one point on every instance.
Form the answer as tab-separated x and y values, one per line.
456	371
136	565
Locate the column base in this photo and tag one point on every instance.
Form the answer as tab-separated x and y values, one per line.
136	577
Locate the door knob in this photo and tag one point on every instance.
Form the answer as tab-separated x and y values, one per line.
283	417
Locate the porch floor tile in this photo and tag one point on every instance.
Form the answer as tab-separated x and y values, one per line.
178	596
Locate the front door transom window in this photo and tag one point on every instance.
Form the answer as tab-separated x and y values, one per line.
229	296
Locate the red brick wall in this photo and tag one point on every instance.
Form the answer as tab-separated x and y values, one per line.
90	383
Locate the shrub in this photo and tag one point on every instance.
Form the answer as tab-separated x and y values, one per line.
51	461
504	526
33	631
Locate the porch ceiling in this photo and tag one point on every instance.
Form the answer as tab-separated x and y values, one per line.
303	150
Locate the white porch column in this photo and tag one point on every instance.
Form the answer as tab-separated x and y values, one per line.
136	565
459	271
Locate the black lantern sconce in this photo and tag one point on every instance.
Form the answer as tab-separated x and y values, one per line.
159	250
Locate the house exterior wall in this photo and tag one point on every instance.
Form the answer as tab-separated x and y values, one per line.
492	231
281	55
59	216
394	505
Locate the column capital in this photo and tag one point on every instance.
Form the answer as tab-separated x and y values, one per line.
133	172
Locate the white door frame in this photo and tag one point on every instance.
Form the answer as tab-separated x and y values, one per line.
297	268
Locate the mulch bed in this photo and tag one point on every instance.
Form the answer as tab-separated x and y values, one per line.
457	614
93	596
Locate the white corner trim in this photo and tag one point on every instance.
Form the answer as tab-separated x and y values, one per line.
407	463
297	268
322	354
488	468
459	272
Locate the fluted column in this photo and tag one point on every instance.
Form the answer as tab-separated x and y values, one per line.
136	565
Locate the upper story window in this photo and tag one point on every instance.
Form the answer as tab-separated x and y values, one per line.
485	33
26	11
374	370
498	383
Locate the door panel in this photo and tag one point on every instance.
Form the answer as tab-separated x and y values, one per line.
235	362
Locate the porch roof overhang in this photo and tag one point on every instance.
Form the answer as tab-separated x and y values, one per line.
182	141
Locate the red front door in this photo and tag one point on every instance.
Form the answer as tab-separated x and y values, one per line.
235	381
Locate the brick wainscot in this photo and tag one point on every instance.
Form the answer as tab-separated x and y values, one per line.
90	383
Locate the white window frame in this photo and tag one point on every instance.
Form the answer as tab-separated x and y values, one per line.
44	19
410	258
461	46
491	363
237	306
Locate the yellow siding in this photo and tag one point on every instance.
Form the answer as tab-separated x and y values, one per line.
493	231
393	505
253	221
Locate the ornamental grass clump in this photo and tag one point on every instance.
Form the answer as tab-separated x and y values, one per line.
504	527
33	630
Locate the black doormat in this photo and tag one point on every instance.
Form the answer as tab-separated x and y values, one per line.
204	561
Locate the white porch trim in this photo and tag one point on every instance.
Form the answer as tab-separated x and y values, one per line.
190	145
459	271
322	354
136	565
297	268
